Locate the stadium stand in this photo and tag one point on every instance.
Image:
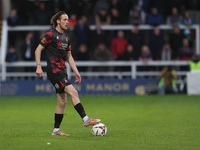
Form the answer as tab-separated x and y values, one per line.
86	12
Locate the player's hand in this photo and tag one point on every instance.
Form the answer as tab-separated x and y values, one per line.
39	72
78	77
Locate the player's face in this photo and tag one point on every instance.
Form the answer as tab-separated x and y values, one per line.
64	22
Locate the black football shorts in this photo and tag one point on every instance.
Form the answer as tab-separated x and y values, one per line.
59	81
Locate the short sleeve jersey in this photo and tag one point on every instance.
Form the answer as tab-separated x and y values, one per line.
56	45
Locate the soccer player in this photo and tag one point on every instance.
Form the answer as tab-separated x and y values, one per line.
58	49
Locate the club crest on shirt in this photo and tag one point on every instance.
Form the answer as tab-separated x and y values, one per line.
65	80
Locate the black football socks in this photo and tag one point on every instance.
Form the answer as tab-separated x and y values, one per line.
58	120
79	108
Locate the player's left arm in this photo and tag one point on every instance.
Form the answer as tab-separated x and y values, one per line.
72	64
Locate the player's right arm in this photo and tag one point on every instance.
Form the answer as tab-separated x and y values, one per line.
38	51
46	40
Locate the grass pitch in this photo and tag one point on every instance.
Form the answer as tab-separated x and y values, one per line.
134	123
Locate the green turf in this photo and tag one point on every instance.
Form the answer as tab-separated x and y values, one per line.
134	123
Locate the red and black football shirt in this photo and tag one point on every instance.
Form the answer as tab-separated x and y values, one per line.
56	45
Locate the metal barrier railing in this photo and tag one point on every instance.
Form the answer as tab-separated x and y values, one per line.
132	73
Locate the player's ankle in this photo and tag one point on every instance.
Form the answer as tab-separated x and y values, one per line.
56	129
85	118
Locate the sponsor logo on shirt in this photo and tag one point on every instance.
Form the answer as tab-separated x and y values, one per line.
62	46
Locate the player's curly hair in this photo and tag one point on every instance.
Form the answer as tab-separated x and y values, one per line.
56	17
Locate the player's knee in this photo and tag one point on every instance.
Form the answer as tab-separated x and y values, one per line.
63	102
74	93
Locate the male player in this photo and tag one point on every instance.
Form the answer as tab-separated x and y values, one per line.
58	49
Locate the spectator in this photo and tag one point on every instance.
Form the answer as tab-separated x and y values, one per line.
194	7
145	57
11	56
28	51
188	21
42	15
116	18
13	20
73	20
103	17
135	18
194	63
137	15
168	81
85	19
175	40
83	55
156	44
137	40
118	45
23	8
185	52
145	54
166	52
102	54
155	18
99	36
174	18
129	53
144	4
82	32
27	48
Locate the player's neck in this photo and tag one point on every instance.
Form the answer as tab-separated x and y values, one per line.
59	30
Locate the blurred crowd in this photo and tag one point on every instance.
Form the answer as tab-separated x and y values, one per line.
105	45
